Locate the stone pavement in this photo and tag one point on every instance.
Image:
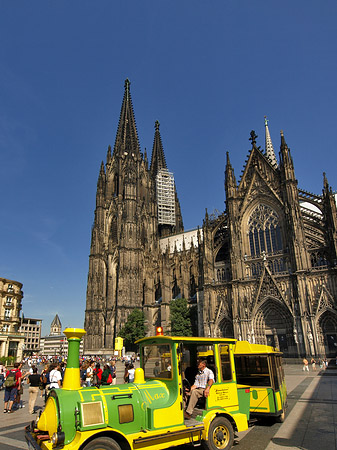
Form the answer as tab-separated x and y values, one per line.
311	421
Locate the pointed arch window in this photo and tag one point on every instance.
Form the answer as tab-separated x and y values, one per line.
264	231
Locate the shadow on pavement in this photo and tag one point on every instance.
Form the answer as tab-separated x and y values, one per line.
310	416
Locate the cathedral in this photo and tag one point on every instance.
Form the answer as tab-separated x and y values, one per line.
263	270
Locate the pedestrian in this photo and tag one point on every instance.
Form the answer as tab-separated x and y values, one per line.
305	365
12	383
97	375
113	371
131	372
106	375
90	373
126	372
18	402
33	381
44	379
55	377
313	364
2	375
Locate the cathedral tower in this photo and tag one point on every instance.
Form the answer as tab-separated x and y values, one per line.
126	231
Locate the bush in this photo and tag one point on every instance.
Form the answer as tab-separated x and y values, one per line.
7	360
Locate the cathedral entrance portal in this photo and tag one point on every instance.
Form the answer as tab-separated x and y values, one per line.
328	324
273	326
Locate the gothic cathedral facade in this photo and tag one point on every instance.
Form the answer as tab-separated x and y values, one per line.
264	270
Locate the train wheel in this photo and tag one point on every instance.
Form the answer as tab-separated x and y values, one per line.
220	435
102	443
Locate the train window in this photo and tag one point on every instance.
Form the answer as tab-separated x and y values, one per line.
252	370
125	413
274	373
157	361
226	370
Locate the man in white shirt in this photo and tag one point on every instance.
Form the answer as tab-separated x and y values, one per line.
55	377
201	387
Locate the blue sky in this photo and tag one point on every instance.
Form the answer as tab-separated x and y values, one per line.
208	71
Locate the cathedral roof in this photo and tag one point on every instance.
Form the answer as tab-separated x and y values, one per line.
158	158
127	136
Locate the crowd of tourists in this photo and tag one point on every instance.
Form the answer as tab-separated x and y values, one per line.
322	363
93	372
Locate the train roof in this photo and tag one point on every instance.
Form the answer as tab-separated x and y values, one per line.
196	340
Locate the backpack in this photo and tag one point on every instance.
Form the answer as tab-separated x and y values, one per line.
109	380
10	380
83	374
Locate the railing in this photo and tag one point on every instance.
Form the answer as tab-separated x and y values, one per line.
277	262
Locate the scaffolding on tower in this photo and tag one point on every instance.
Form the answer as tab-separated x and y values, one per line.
165	197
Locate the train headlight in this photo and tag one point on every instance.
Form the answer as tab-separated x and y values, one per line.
58	438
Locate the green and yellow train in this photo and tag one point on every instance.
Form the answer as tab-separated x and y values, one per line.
149	413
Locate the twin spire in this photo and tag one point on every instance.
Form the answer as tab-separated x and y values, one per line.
158	158
127	137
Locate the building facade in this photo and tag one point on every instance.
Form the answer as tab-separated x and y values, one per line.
11	339
31	328
262	270
55	345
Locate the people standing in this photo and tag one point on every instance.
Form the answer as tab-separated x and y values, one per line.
44	380
55	377
305	365
12	383
106	375
18	402
126	372
33	381
313	364
131	373
90	373
113	371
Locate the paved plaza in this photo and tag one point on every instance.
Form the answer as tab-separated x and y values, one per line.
311	421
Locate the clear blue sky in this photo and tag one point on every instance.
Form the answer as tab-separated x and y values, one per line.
208	71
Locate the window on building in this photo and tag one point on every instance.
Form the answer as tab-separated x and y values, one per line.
9	299
10	288
264	231
7	313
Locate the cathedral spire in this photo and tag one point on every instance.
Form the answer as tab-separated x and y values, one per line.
270	154
127	136
158	158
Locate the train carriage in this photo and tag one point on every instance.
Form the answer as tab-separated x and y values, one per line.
148	413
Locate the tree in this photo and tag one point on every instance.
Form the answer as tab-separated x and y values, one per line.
180	317
133	329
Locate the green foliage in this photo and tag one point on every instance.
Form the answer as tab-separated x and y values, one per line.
133	329
180	317
7	360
